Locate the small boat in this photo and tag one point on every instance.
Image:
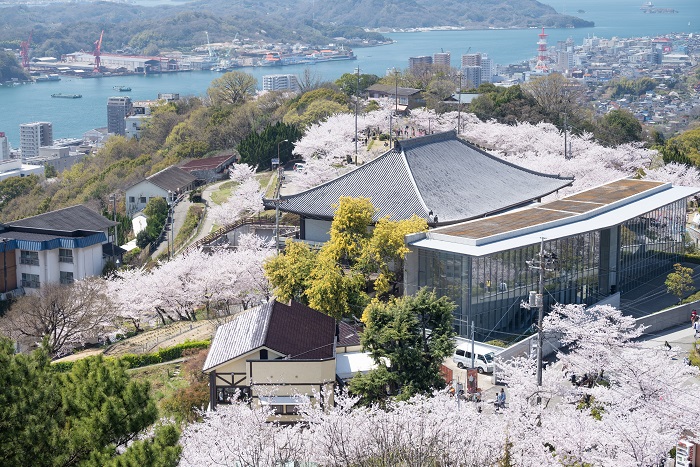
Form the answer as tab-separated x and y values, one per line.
122	88
67	96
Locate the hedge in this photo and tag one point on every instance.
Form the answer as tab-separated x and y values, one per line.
136	361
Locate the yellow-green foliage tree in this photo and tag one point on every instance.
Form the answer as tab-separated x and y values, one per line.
335	279
680	281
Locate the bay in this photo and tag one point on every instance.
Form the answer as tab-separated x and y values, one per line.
72	117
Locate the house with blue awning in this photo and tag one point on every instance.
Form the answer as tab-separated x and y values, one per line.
60	246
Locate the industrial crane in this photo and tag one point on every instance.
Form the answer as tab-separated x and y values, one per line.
24	51
97	52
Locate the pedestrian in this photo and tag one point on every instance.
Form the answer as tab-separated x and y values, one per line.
696	326
500	400
693	317
667	345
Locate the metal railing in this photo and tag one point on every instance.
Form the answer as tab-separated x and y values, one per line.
226	229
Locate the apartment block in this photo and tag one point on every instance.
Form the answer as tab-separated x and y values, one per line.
34	135
118	108
280	83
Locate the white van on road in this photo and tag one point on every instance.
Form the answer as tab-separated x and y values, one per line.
483	356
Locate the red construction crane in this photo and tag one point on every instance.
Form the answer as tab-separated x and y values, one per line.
24	51
96	53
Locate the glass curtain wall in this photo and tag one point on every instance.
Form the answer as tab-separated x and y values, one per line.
650	244
489	290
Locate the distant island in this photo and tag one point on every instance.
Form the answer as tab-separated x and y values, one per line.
66	27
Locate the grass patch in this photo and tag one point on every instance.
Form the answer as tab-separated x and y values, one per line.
223	193
165	380
194	215
270	192
264	177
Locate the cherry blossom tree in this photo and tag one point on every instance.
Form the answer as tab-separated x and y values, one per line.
629	412
245	200
537	147
223	279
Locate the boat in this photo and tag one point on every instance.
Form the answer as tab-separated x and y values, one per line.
67	96
122	88
51	77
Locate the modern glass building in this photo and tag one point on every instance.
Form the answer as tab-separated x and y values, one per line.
609	239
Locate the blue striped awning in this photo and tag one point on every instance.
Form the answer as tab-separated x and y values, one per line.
53	243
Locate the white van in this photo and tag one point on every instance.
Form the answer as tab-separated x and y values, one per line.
483	356
299	167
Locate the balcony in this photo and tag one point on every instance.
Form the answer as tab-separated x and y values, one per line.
64	259
30	261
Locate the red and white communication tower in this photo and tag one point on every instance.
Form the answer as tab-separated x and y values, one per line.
24	51
542	57
97	52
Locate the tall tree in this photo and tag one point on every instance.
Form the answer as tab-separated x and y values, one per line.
411	335
93	411
232	88
63	316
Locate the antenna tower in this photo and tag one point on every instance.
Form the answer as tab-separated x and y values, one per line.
24	51
542	53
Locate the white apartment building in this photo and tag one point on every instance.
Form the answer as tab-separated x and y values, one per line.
280	83
118	108
4	147
34	135
56	247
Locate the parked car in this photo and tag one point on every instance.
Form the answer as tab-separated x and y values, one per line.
483	356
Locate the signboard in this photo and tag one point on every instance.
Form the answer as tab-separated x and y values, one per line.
472	380
275	162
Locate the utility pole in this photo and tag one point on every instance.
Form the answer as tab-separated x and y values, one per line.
459	104
357	99
278	199
565	131
472	344
540	317
396	91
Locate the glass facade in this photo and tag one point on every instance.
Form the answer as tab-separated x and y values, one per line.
489	290
650	244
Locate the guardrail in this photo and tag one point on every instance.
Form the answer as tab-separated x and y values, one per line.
226	229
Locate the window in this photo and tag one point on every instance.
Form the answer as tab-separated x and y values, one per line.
65	255
263	354
66	277
30	280
142	200
132	199
29	257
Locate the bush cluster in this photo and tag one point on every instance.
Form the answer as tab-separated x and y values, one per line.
136	361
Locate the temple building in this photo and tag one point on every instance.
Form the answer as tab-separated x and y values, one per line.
439	177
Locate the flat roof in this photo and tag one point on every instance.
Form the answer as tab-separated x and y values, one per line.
618	201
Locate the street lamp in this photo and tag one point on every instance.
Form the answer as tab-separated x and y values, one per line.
280	171
357	99
396	90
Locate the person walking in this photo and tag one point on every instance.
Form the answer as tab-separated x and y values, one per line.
693	318
696	326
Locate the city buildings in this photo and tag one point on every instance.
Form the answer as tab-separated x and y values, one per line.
4	147
420	64
598	244
442	59
280	82
118	108
34	135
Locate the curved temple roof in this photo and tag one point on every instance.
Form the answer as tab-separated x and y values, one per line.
440	173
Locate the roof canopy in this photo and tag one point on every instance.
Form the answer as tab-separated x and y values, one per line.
435	175
71	219
294	330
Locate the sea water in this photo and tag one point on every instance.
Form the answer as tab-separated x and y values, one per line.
73	117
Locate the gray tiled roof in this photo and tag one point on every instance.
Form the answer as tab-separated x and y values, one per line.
294	330
172	179
70	219
241	335
438	173
389	89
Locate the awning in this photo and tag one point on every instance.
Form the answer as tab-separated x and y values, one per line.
349	364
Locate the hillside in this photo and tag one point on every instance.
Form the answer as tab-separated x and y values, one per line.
61	28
